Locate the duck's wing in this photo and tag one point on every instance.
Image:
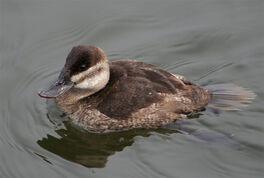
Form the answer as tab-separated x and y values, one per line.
152	73
135	85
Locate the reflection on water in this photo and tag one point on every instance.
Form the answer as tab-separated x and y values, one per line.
86	148
92	149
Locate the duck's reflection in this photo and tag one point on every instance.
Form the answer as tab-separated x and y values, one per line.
91	149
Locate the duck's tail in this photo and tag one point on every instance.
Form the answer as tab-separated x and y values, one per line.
228	96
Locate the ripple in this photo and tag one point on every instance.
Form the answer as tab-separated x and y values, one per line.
22	121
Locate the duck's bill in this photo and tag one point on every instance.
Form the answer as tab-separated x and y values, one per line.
56	89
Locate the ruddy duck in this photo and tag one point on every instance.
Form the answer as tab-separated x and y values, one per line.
100	95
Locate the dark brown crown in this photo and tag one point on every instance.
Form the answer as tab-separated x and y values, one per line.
83	57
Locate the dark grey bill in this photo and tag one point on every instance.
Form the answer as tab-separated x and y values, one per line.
55	90
58	87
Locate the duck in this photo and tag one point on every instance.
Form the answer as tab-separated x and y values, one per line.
100	95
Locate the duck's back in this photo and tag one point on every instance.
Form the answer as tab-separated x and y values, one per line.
144	94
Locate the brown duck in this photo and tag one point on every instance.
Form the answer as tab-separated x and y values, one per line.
99	95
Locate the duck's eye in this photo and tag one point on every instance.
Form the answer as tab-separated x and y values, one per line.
82	67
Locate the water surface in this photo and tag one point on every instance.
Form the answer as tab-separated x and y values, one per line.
207	41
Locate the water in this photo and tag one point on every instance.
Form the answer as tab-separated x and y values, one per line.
204	40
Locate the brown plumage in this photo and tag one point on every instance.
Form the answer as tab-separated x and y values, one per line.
121	95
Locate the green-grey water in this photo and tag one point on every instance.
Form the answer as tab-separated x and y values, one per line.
207	41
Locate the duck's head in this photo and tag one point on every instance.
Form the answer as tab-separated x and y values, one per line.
86	69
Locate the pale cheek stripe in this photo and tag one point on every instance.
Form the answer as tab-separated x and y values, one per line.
93	82
77	77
